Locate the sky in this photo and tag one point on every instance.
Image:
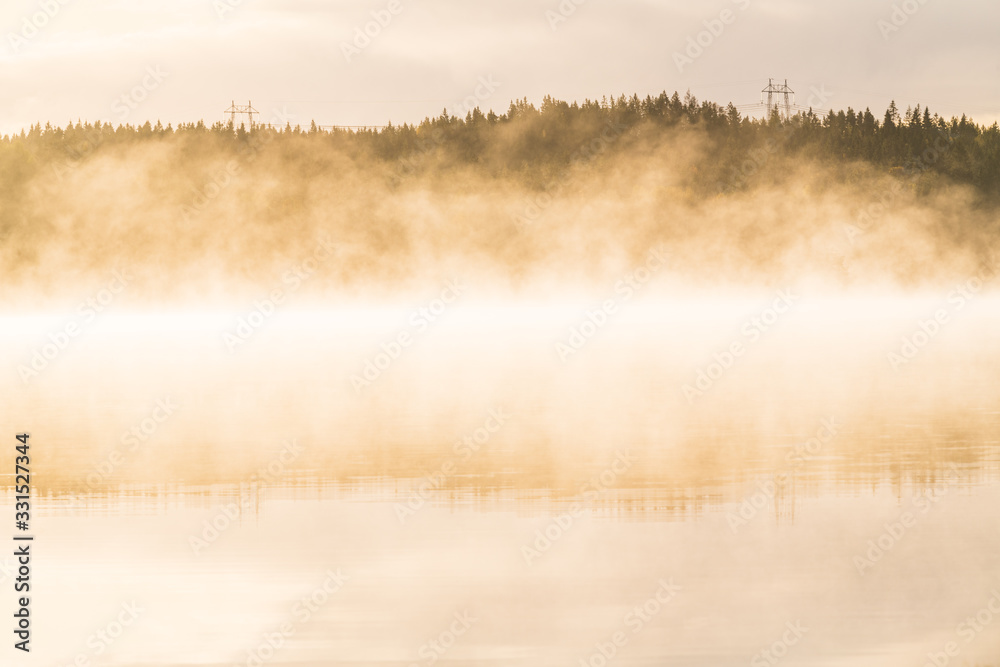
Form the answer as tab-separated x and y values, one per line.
369	62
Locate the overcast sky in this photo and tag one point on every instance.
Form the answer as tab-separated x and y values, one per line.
183	60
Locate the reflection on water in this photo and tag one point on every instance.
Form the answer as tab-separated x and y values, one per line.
212	589
482	498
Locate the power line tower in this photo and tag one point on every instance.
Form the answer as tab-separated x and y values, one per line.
240	109
774	89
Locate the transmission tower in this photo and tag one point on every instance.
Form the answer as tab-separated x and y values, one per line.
772	90
785	106
240	109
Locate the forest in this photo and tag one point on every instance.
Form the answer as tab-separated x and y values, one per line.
531	141
566	192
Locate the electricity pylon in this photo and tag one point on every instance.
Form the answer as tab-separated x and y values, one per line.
773	90
240	109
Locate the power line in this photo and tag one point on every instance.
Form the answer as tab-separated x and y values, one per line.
779	98
240	109
771	90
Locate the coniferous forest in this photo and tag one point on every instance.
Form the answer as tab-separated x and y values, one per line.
582	188
528	139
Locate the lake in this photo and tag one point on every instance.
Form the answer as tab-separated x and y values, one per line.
717	479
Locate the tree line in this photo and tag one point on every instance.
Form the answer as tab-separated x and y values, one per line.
535	140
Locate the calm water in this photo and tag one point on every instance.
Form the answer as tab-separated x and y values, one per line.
484	500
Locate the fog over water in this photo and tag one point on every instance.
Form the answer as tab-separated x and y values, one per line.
501	409
194	224
472	343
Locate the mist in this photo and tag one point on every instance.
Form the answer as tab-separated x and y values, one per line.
202	219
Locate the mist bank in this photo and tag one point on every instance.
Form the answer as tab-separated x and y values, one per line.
706	397
536	200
